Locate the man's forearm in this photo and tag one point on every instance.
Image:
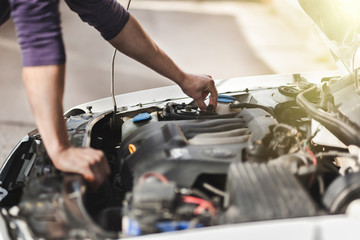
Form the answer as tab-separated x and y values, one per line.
45	89
134	42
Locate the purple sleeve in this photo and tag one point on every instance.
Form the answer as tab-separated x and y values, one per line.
107	16
39	32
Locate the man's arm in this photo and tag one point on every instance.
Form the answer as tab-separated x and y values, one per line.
45	89
43	75
135	43
39	33
123	31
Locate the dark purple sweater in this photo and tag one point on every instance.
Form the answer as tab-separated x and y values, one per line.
39	31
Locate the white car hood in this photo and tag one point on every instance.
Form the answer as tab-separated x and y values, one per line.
339	21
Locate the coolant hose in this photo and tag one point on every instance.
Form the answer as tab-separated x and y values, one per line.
345	132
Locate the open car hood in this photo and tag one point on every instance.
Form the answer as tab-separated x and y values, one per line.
339	21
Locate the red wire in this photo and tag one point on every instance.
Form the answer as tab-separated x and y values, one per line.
159	176
203	204
312	155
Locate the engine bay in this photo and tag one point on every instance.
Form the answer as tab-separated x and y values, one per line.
260	155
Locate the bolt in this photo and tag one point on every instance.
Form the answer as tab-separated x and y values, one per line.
89	108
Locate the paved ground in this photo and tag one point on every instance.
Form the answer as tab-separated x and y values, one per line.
224	39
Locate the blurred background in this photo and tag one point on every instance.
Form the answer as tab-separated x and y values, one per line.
222	38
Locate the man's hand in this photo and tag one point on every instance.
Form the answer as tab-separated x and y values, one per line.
90	163
199	87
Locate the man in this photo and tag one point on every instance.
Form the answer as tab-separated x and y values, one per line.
39	34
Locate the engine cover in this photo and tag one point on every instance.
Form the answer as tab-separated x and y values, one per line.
182	150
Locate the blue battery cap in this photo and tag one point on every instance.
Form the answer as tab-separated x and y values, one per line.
171	226
133	228
142	117
226	99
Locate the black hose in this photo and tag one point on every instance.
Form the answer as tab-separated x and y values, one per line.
252	105
346	133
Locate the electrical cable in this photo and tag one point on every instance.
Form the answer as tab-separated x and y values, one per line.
252	105
203	204
113	85
214	189
113	78
312	155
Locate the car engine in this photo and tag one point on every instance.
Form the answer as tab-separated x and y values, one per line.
260	155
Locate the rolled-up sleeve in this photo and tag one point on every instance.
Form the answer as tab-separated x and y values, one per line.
107	16
39	31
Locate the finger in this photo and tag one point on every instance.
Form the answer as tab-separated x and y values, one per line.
89	176
107	167
205	94
104	164
90	158
95	184
75	161
201	104
213	96
101	169
99	179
